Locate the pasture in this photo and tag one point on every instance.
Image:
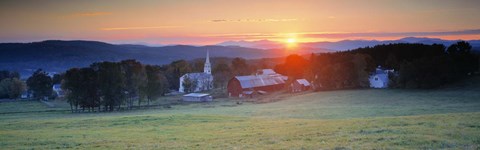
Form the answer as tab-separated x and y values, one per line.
446	118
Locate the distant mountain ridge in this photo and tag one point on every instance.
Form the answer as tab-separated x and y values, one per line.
261	44
57	56
345	44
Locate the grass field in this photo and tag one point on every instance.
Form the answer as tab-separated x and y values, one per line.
447	118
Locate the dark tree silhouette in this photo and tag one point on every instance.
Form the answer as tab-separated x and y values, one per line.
40	84
240	67
221	74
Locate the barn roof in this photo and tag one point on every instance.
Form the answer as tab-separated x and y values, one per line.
303	82
260	80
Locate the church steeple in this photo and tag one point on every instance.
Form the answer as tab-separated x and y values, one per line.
207	68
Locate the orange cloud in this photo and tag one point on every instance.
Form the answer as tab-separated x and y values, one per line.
254	20
336	35
91	14
138	28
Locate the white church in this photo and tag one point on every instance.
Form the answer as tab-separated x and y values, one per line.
203	80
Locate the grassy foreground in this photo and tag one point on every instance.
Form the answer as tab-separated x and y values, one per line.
224	132
447	118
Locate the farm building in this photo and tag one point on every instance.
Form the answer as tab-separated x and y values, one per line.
300	85
266	80
57	89
197	97
379	78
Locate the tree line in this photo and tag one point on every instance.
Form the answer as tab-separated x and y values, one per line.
37	86
109	86
414	65
329	71
457	63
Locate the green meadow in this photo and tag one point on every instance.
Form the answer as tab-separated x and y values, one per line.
445	118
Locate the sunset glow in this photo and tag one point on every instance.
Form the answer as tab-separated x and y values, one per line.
212	22
239	74
291	40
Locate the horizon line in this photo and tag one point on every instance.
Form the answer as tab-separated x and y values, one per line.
219	43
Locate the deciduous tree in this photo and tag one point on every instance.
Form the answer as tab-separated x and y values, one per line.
41	84
11	88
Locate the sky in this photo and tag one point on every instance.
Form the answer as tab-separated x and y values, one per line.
203	22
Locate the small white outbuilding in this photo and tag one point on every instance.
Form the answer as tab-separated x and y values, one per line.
379	78
197	97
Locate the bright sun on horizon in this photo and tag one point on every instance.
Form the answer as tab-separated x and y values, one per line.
291	43
291	40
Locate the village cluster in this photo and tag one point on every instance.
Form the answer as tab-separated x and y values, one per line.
262	82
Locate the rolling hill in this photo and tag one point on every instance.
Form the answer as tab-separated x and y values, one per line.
57	56
344	44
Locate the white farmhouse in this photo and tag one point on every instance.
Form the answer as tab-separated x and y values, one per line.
379	78
203	80
58	90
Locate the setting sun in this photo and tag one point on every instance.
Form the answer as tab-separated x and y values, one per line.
291	40
240	74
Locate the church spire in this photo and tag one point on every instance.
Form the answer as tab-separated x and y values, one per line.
207	67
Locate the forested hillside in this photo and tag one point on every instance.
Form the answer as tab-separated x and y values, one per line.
58	56
414	65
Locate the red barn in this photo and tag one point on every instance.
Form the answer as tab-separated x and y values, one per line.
239	86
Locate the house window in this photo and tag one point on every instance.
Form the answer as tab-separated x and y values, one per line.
376	79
